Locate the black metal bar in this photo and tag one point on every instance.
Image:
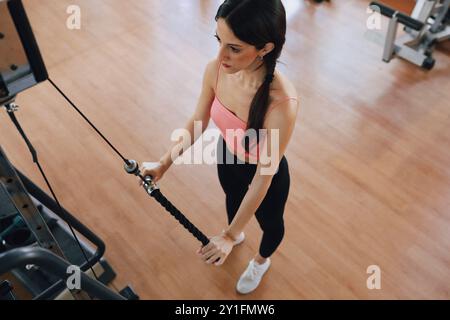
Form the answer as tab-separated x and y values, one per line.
46	259
401	17
29	43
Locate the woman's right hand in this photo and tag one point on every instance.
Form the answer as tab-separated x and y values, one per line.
154	169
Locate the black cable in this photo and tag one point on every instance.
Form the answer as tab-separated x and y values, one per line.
156	195
13	118
131	167
36	160
88	121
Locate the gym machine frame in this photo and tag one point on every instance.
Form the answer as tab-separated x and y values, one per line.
46	252
427	25
22	67
14	79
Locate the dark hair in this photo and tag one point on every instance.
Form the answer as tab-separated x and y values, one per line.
257	22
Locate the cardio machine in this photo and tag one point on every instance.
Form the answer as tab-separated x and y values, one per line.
427	25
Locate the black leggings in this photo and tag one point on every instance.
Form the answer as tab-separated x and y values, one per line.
235	179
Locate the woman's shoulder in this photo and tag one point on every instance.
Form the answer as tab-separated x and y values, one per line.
283	90
284	99
211	72
213	65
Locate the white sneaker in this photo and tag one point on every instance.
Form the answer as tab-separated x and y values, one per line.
252	276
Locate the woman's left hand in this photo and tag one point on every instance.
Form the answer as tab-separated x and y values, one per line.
218	248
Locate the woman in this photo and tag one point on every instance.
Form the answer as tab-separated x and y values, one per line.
242	90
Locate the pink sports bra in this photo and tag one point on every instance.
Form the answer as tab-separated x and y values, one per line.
233	129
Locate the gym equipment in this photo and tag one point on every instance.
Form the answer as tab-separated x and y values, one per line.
9	91
16	233
35	247
48	260
6	291
427	25
21	64
132	167
27	221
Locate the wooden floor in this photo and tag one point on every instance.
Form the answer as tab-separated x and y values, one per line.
369	159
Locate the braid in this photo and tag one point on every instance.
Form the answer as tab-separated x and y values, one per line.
260	104
270	70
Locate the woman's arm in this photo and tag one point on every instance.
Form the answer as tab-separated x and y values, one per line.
284	121
202	113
